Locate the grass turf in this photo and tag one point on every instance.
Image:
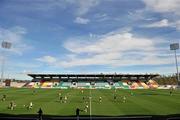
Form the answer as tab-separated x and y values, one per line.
142	102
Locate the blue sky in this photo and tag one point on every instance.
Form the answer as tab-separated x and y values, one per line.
89	36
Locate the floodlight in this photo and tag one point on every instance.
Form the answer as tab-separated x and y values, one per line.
175	46
6	45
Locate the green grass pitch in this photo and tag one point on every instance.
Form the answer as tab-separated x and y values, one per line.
142	102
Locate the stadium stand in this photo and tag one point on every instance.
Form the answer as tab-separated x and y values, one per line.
64	85
153	84
82	84
26	84
55	84
102	85
17	84
116	85
124	84
30	85
99	83
134	85
47	84
37	84
144	85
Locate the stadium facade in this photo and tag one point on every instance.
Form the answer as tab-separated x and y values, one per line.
93	81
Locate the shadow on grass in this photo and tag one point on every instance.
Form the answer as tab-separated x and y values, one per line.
152	94
85	117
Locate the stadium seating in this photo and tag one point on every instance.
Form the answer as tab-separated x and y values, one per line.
47	84
61	84
30	85
81	84
134	85
139	85
55	84
116	85
124	84
33	85
37	85
26	84
153	84
66	84
144	85
17	84
100	85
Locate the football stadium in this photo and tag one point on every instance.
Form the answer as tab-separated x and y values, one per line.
98	96
89	59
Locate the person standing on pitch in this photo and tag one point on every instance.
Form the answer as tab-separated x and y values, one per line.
132	93
30	105
60	96
124	99
34	92
115	91
83	98
77	113
115	97
12	105
4	97
65	99
61	99
40	112
86	107
82	91
171	90
100	100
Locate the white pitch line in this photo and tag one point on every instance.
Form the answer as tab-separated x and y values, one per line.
90	104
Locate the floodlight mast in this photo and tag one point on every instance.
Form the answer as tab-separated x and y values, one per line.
4	45
175	46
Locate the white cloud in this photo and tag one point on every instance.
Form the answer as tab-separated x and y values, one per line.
81	20
115	60
24	65
167	8
163	6
15	35
162	23
79	7
85	5
47	59
165	70
176	24
136	15
39	5
101	17
114	49
110	43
